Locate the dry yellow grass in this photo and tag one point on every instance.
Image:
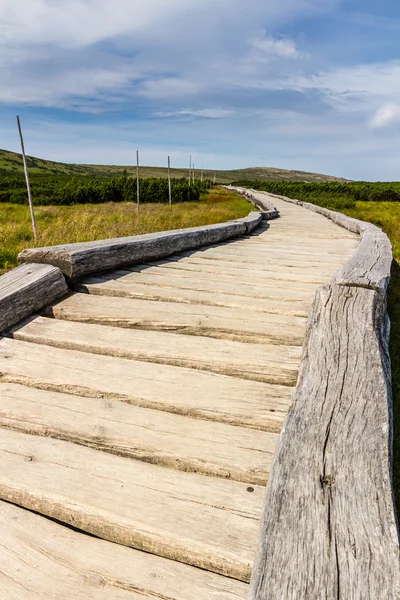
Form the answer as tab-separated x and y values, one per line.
83	223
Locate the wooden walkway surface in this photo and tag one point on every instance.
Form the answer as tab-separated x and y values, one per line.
140	417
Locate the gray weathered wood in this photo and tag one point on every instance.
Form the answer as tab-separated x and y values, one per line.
328	526
163	387
270	363
76	260
27	289
42	560
371	263
135	504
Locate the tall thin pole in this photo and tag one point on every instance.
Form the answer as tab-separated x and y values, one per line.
137	181
214	178
190	168
201	173
28	185
169	181
193	171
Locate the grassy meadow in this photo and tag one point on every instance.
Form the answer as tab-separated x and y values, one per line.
87	222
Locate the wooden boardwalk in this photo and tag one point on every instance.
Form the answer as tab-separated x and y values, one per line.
140	417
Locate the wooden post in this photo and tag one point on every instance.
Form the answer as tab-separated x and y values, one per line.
169	181
202	174
193	171
28	185
190	169
137	180
214	178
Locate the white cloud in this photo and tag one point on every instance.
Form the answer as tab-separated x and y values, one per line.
169	87
387	114
207	113
282	47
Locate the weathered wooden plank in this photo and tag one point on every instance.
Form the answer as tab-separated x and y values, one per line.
268	363
123	288
370	265
277	265
76	260
162	387
204	282
156	437
41	559
26	289
203	521
328	525
254	274
195	319
284	272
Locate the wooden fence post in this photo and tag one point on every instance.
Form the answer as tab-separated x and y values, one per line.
137	180
28	185
169	181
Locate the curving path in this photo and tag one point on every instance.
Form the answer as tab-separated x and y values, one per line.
140	417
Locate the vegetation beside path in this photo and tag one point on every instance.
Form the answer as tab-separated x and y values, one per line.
87	222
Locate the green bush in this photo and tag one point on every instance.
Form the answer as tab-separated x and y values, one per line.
68	190
333	195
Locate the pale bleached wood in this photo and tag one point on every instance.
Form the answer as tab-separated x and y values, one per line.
77	260
205	282
156	437
195	319
254	275
165	270
203	521
43	560
370	265
328	526
26	289
271	271
162	387
269	363
120	287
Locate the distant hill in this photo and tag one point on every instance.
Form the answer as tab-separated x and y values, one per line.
10	161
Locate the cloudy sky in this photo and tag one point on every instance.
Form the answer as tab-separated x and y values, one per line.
297	84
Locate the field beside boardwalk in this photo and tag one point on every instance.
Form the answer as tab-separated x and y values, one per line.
87	222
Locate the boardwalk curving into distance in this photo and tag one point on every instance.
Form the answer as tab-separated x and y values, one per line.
140	417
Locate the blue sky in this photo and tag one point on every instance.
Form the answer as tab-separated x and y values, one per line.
297	84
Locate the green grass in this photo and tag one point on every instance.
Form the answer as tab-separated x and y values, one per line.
87	222
12	162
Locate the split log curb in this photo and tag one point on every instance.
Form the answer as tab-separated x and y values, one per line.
328	527
82	259
42	277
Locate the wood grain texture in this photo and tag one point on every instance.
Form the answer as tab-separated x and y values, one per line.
370	265
329	529
77	260
162	387
42	560
195	319
156	437
269	363
143	506
328	526
26	289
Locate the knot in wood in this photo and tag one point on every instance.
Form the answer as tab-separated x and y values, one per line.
327	480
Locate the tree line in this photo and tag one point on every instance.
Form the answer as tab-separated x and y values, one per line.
333	195
67	190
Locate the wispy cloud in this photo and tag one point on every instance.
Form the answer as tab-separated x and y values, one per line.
269	47
388	114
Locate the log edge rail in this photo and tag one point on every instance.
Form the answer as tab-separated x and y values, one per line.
328	528
43	276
